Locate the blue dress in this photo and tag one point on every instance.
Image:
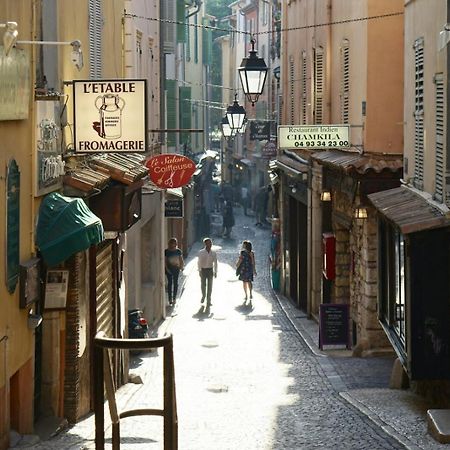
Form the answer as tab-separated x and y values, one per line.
246	266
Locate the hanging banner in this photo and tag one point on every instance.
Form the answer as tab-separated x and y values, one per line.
260	130
110	116
170	170
314	136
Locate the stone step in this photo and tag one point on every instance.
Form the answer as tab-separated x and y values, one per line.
439	424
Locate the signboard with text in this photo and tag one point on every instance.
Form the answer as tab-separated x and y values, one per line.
260	130
334	325
173	209
110	116
317	137
170	170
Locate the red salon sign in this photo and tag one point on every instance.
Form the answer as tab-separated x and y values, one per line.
170	170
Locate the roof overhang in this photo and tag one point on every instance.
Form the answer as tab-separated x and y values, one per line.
409	211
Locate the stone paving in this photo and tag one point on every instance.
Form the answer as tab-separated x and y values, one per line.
251	377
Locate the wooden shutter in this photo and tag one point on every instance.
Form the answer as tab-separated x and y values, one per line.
168	12
181	17
304	88
291	89
345	82
319	85
95	39
171	111
418	113
439	109
207	43
185	113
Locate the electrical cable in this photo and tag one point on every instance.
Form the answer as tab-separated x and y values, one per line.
281	30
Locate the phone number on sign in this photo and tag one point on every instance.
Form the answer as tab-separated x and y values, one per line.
304	144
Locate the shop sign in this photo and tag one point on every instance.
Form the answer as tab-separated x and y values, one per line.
170	170
14	84
314	136
174	208
260	130
269	150
56	285
110	116
49	162
334	325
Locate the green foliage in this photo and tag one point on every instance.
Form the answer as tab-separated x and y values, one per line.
217	8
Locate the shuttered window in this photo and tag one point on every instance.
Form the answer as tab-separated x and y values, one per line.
418	114
319	85
206	43
171	111
291	90
304	88
345	82
181	29
439	110
95	39
139	68
168	12
185	113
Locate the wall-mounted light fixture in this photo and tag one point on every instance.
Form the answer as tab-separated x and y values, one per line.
244	127
76	55
325	196
10	36
360	212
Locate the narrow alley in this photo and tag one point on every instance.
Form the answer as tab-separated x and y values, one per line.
252	377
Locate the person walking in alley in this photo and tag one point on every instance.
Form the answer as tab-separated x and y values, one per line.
244	198
207	269
173	264
228	218
246	267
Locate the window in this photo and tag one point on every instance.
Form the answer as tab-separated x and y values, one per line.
319	85
345	81
418	114
439	110
392	305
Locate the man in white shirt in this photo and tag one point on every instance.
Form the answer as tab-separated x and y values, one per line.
244	198
207	269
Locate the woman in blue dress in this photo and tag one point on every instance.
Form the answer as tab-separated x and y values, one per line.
247	268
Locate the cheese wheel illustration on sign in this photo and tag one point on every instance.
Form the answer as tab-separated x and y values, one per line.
170	170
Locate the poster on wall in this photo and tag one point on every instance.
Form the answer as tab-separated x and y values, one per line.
56	285
49	163
110	116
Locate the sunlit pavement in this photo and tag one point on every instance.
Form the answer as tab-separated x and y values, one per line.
250	376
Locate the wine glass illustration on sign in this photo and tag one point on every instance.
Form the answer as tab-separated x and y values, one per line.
110	107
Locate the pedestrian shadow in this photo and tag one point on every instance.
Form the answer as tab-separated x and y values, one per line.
203	313
244	308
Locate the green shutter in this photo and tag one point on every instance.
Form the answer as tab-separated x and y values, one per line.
171	111
207	43
185	113
181	29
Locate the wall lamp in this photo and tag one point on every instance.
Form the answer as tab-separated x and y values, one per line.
360	212
76	56
325	196
10	36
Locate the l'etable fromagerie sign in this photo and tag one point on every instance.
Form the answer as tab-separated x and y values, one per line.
313	136
110	116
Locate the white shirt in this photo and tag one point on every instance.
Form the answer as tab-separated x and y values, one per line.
244	192
207	260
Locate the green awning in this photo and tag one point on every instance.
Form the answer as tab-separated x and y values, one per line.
65	226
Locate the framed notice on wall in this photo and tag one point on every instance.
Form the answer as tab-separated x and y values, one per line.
56	285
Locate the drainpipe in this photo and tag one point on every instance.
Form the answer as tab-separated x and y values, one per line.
198	5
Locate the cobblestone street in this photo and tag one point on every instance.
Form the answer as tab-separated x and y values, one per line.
252	378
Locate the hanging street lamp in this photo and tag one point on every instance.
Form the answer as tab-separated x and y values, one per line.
253	73
244	126
227	131
236	115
